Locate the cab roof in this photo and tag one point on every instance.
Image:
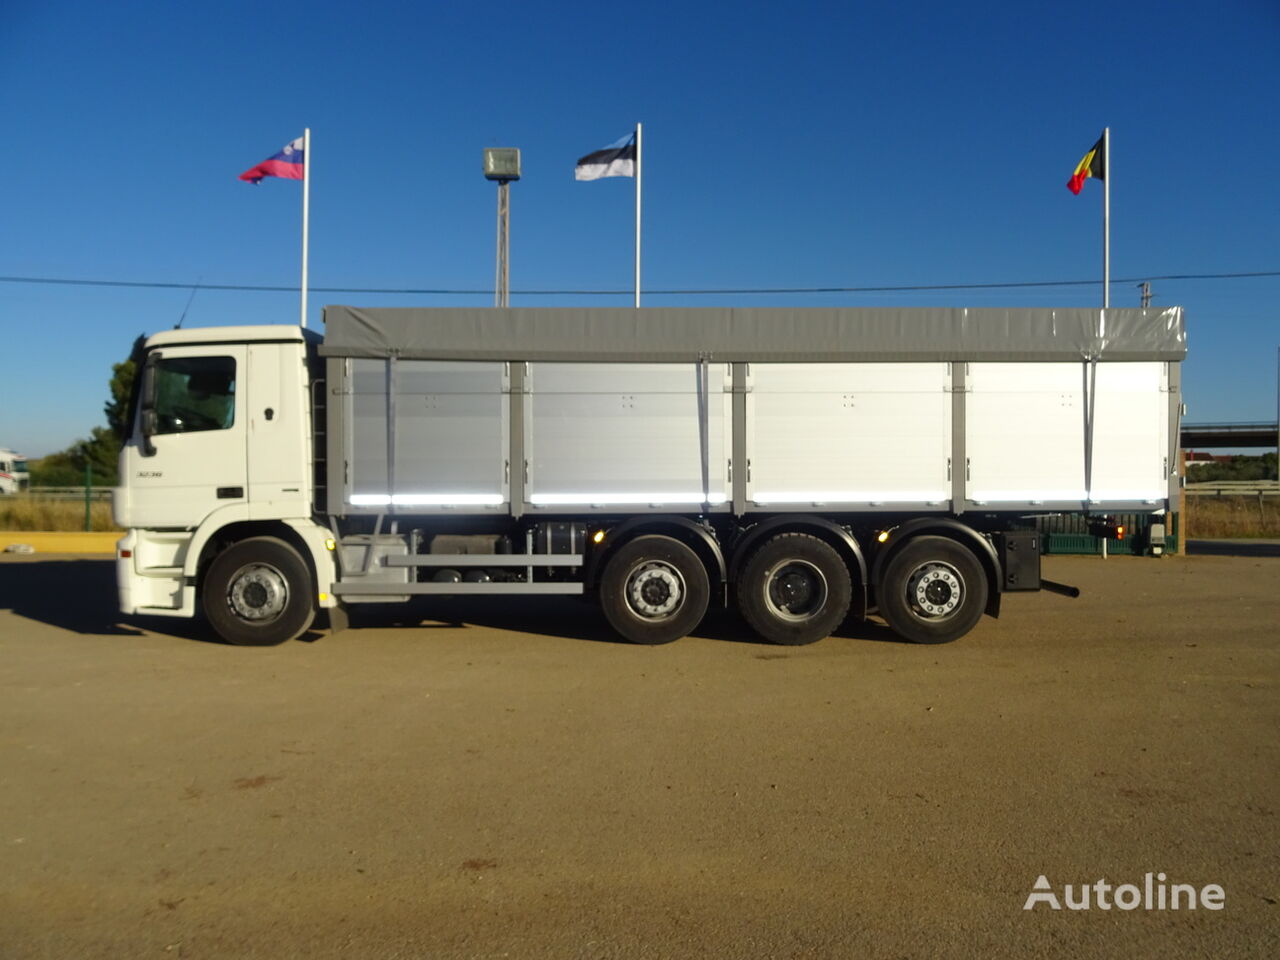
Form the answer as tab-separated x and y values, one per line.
274	333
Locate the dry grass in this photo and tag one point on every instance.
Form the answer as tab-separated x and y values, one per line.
32	513
1206	518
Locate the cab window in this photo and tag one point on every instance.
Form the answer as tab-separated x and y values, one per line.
195	393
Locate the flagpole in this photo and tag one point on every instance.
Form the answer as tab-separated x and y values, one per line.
306	211
1106	217
639	156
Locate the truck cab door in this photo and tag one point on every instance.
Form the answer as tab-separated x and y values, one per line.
279	431
188	457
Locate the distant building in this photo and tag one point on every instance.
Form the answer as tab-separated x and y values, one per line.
1198	458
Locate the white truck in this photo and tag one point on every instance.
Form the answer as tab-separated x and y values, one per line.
13	472
803	465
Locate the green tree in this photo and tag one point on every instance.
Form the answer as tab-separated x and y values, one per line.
119	407
1239	467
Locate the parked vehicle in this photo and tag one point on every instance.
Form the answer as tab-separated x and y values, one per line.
801	465
13	472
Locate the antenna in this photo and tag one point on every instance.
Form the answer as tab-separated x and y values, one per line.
194	289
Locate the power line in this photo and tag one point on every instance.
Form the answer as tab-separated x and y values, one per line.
712	291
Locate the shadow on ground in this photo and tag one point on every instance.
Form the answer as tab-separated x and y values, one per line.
76	595
80	595
572	618
1233	548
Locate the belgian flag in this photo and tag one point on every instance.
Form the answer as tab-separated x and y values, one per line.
1094	164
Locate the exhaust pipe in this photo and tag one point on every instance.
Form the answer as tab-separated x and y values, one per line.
1064	589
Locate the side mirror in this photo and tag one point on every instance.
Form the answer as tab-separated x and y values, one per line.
148	424
147	421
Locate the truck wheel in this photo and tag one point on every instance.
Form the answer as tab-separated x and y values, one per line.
933	591
795	589
257	593
654	590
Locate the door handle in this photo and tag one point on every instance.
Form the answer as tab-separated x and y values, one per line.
230	493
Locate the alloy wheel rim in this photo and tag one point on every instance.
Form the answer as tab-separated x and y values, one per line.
258	593
935	590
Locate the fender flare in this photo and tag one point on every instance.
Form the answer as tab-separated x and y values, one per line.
800	523
630	528
306	531
948	527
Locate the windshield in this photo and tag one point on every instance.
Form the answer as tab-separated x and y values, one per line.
195	393
20	466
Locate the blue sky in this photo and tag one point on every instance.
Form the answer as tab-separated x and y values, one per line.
786	145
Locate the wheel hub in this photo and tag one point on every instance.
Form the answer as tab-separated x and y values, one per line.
795	590
935	590
258	592
655	590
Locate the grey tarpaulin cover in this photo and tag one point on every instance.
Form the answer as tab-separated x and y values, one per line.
677	334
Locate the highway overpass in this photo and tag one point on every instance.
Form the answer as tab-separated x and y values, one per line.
1204	436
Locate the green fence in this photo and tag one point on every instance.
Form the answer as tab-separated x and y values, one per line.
1070	534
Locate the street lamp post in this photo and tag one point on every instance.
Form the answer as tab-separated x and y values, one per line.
503	165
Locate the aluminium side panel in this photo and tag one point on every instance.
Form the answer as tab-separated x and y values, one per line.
1024	434
852	436
365	412
427	436
451	435
1131	434
1067	435
638	436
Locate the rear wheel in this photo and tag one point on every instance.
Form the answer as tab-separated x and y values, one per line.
933	591
654	590
795	589
257	593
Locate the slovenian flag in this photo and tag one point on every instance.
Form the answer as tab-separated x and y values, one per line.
1094	165
290	163
616	160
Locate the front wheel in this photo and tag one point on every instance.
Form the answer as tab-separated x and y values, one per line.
257	593
654	590
933	591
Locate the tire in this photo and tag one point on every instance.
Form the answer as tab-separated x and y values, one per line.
795	589
933	591
654	590
258	593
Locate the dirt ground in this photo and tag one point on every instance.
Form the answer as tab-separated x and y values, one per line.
505	781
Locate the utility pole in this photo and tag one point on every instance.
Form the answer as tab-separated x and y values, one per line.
503	165
1145	286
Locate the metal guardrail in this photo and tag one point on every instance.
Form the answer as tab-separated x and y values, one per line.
1233	488
97	494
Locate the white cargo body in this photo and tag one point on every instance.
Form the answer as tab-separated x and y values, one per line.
848	410
13	472
797	463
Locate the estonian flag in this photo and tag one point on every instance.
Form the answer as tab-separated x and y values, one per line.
616	160
1094	164
289	163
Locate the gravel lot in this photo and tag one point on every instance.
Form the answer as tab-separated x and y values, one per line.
505	781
